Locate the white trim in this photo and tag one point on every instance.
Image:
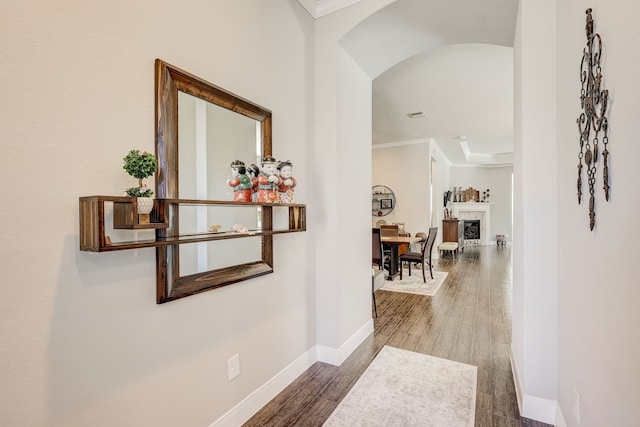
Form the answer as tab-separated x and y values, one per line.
483	158
560	422
539	409
516	378
533	407
244	410
480	165
319	8
337	356
403	143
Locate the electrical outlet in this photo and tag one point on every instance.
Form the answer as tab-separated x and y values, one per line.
233	366
576	405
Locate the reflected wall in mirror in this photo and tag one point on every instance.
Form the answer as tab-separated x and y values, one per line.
210	138
200	130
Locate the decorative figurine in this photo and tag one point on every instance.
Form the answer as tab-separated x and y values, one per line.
268	181
240	182
485	196
253	171
287	182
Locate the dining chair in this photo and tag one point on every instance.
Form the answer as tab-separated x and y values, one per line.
423	257
404	248
377	281
422	236
377	257
377	254
418	244
389	229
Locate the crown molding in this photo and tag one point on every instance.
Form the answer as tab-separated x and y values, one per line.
401	143
485	158
320	8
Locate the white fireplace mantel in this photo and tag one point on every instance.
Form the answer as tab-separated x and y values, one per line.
476	210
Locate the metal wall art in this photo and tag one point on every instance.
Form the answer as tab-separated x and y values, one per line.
592	122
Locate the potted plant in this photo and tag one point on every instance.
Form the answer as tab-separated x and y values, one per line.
141	164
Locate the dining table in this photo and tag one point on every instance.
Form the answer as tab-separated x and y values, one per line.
393	243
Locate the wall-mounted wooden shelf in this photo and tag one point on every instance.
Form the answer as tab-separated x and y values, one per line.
92	222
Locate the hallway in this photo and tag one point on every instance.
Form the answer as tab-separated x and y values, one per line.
469	321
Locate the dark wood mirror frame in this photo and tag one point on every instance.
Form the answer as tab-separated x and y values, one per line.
170	80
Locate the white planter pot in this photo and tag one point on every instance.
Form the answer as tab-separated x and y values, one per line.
145	205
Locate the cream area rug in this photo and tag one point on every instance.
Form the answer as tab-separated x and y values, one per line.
402	388
414	284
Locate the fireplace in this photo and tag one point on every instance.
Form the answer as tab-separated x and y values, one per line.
475	211
471	229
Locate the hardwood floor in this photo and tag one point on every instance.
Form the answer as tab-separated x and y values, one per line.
469	321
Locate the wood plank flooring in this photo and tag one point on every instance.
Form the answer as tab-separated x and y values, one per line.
469	321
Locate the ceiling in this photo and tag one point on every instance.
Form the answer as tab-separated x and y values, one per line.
466	94
449	59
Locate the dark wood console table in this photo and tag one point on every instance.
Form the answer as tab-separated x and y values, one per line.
453	231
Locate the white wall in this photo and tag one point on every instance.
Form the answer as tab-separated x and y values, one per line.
81	337
82	340
405	169
498	181
598	292
340	171
575	290
535	234
354	101
443	180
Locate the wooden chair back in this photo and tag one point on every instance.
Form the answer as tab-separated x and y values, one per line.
428	244
377	255
389	229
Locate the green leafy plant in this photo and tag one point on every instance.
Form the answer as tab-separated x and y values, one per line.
140	164
143	191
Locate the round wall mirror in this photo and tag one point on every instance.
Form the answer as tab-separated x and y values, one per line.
383	200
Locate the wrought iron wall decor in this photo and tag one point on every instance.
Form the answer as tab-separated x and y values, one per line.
592	122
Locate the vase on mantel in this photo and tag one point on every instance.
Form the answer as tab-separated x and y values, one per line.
145	206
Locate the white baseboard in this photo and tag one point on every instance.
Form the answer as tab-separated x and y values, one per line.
337	356
244	410
533	407
560	422
516	378
539	409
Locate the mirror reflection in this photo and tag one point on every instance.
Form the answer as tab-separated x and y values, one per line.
205	256
210	137
201	130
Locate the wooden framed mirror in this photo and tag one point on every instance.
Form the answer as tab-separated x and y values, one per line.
194	163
